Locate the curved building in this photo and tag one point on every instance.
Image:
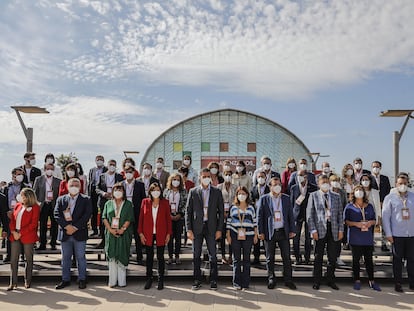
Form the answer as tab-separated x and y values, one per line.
226	134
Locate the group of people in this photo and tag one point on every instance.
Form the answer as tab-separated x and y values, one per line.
154	208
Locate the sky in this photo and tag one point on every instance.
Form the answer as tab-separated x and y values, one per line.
115	74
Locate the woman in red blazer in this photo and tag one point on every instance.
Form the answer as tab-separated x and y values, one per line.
155	225
23	228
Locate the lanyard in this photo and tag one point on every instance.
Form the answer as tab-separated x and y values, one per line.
241	218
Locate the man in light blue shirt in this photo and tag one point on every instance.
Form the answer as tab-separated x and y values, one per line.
398	224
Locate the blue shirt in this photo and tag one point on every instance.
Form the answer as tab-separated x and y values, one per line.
355	235
392	221
277	206
249	221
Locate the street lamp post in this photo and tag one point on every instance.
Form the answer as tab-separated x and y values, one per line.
28	132
317	156
398	134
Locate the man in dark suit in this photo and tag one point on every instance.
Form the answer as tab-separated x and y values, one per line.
324	215
275	224
147	177
359	171
303	165
382	183
3	216
29	169
204	220
161	174
104	191
135	192
72	213
94	177
299	195
46	188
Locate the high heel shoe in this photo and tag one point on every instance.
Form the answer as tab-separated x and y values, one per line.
12	287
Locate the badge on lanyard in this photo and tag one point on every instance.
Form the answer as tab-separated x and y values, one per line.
67	215
241	234
364	226
300	199
173	208
278	216
49	195
115	223
226	206
405	213
328	213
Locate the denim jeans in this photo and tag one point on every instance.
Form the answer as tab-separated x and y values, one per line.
241	265
68	247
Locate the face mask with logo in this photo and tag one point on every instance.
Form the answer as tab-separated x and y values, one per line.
277	189
19	178
241	197
365	183
261	180
324	187
206	181
73	190
175	183
359	194
155	194
118	194
70	173
214	171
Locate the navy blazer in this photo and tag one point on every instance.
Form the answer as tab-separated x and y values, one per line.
80	217
138	194
34	172
101	189
384	187
265	216
294	194
293	179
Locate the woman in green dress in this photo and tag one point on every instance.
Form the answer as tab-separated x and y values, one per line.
118	216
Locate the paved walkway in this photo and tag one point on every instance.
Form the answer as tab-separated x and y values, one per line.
178	296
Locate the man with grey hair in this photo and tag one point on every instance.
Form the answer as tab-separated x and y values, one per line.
266	167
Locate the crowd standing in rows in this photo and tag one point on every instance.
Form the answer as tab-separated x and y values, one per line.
154	208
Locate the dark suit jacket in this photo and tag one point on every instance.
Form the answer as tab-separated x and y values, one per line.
384	187
293	181
101	188
80	217
34	172
4	208
255	194
40	189
92	173
300	210
138	195
152	180
195	213
163	178
265	216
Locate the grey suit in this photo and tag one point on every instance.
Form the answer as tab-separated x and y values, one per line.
46	209
328	231
204	230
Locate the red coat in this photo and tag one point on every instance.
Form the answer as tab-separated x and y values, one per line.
29	224
146	223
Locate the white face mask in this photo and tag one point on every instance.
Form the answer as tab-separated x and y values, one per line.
146	172
227	178
349	172
359	194
335	184
402	188
276	189
19	178
19	198
49	161
301	179
239	169
186	162
159	165
226	168
376	170
266	167
206	181
358	166
49	173
326	169
261	180
214	171
303	166
175	183
112	168
33	162
324	187
73	190
118	194
129	176
70	173
291	165
365	183
155	194
99	163
241	197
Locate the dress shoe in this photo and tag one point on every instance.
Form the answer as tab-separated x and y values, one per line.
11	287
53	247
346	247
333	285
160	285
271	284
213	285
41	248
148	283
26	285
256	262
290	285
62	284
316	286
398	288
82	284
385	248
299	260
196	285
412	287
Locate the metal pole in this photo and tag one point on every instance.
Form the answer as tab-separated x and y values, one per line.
29	147
396	138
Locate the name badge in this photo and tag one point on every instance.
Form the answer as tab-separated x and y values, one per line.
405	214
226	207
67	215
300	199
241	234
173	208
364	226
49	195
13	204
115	223
278	216
328	214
